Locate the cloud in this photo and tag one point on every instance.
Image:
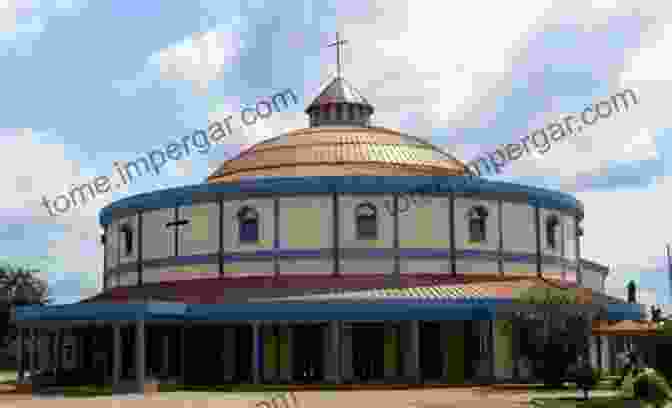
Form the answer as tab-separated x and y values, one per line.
200	58
78	246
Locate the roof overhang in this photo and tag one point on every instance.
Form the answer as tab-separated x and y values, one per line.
388	309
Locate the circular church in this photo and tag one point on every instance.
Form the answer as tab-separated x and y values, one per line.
338	253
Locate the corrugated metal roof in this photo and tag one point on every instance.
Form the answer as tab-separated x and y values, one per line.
502	290
307	152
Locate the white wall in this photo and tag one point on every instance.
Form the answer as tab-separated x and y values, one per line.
158	241
112	244
519	228
178	273
427	224
306	222
264	207
591	278
434	265
128	279
370	266
348	232
201	235
474	266
462	206
302	266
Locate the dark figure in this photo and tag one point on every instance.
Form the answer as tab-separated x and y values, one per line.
632	292
585	380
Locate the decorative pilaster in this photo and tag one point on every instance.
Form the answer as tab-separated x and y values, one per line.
334	355
116	354
140	354
256	353
19	356
412	356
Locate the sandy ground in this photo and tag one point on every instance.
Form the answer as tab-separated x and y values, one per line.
437	398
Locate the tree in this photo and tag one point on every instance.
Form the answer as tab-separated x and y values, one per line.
656	314
18	286
551	337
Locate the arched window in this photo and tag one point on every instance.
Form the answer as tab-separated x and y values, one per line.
127	232
477	217
248	225
366	218
552	224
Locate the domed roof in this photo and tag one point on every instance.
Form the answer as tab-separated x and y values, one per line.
340	142
337	151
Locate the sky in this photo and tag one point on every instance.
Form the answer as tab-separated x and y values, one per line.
86	84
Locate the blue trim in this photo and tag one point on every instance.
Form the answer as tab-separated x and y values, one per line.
388	309
182	196
425	253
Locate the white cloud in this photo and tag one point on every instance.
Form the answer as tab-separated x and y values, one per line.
49	172
199	59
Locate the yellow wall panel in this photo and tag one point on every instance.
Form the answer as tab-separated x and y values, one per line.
200	222
304	228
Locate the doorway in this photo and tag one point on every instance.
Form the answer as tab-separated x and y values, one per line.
368	356
308	353
431	351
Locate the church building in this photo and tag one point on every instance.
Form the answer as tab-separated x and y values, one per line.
339	253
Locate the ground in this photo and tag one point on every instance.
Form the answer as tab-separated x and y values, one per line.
438	398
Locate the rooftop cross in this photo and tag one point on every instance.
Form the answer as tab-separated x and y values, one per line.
338	44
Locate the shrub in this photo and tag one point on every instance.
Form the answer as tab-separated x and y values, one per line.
627	386
651	387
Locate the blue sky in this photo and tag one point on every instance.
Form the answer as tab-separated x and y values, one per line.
85	84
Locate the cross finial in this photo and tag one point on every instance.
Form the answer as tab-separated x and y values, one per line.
338	44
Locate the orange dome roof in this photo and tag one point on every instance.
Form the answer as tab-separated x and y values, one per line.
336	151
340	142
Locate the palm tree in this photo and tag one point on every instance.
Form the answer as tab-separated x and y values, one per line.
18	286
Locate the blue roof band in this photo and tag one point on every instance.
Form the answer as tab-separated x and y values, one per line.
182	196
483	309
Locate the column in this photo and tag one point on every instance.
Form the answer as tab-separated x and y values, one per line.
412	355
229	352
390	371
594	357
346	352
289	369
19	355
606	361
256	352
31	353
116	354
140	354
334	354
183	338
38	351
59	349
165	365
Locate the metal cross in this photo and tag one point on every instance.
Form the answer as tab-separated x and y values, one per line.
338	44
178	223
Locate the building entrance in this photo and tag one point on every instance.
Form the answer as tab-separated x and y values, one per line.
431	351
308	353
368	352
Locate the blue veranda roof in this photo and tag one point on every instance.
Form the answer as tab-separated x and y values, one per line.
180	196
482	309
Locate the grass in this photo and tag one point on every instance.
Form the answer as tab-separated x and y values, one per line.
595	402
